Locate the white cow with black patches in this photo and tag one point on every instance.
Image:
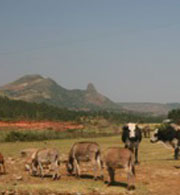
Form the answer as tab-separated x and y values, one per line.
169	137
132	136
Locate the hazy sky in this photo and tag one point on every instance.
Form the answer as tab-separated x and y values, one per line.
129	49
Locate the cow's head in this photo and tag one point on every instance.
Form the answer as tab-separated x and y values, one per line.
155	137
132	129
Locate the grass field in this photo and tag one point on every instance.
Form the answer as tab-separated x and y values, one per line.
157	173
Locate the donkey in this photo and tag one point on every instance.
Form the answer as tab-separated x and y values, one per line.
48	157
116	157
146	131
132	136
84	152
2	164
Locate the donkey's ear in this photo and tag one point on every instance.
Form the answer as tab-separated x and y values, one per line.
64	161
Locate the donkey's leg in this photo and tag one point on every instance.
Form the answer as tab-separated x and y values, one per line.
4	168
111	172
57	164
99	164
55	169
94	165
131	180
131	176
41	169
77	168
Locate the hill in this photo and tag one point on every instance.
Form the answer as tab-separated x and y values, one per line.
155	109
35	88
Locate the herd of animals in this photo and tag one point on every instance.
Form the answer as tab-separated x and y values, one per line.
112	158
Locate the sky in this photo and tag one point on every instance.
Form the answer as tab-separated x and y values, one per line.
129	49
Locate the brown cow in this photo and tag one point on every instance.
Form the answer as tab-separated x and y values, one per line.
84	152
116	157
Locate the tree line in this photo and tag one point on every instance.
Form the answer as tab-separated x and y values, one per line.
174	115
15	110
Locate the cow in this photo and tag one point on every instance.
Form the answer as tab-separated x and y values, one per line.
84	152
46	158
115	158
132	136
2	164
168	135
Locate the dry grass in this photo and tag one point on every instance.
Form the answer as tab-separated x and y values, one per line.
155	175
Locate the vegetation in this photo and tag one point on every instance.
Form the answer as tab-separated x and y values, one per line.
14	110
156	174
35	135
175	115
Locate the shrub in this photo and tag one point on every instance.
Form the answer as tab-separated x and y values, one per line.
13	136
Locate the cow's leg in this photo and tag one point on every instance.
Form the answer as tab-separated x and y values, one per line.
111	172
136	153
176	152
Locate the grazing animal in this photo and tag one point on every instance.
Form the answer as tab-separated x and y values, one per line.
28	152
2	164
169	136
132	136
146	131
84	152
47	157
116	157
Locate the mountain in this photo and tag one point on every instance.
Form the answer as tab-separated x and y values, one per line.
155	109
35	88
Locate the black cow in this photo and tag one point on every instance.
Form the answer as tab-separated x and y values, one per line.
168	135
132	136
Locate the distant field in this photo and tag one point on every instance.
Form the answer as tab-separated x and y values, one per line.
157	173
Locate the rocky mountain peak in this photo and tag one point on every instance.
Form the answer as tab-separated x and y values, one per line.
91	88
35	88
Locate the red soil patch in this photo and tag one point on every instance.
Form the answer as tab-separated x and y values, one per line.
58	126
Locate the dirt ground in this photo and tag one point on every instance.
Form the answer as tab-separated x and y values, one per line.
157	174
58	126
